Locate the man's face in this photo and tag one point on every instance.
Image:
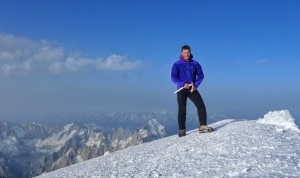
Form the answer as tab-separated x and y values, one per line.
186	54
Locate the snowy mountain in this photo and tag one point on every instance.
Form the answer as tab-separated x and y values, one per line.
28	150
267	147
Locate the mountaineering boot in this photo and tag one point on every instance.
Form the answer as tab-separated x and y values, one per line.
205	128
182	133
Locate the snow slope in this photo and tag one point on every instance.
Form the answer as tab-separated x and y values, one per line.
268	147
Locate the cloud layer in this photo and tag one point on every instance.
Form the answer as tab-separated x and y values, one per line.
22	55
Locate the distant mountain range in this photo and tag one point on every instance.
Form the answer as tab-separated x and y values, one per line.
30	149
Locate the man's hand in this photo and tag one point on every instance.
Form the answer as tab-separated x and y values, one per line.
186	86
190	87
193	88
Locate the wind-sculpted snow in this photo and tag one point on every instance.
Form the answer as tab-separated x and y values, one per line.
237	148
282	119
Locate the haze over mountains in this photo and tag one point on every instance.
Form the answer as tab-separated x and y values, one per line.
266	147
30	149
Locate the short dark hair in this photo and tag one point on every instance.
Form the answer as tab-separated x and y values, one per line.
185	47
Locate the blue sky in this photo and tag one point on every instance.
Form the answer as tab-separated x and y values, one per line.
60	57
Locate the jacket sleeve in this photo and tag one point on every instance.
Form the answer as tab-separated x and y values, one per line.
200	75
175	76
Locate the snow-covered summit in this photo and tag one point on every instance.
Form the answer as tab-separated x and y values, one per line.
282	119
237	148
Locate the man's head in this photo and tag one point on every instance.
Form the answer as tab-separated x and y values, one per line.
186	52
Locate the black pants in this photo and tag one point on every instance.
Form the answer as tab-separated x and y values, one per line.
197	100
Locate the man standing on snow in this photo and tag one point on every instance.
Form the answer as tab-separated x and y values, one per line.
187	74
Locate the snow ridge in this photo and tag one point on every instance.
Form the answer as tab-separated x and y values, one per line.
238	148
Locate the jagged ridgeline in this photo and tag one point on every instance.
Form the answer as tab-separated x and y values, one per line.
30	149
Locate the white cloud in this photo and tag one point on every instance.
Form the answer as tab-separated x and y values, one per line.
13	48
73	64
48	53
21	55
15	67
117	63
26	66
6	69
4	55
56	67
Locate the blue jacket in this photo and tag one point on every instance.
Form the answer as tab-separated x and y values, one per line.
187	72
